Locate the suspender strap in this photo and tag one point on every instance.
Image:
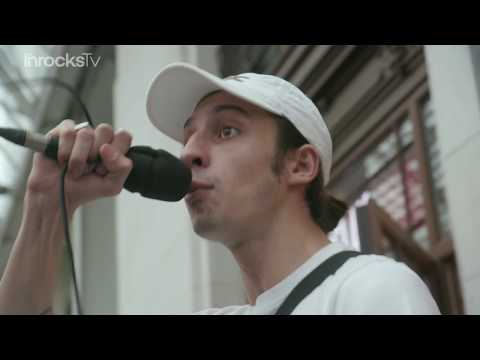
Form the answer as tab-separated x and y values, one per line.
313	280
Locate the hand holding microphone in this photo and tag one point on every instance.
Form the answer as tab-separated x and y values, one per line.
76	148
153	173
88	164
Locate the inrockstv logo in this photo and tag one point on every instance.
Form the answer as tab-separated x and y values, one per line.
82	60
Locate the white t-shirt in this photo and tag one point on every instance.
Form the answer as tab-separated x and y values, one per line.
364	285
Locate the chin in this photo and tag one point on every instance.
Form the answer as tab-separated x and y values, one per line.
211	231
208	229
204	227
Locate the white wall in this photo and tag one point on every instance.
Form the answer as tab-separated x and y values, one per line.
95	223
454	72
153	237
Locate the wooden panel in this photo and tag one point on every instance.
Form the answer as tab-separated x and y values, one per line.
354	133
404	241
361	85
381	86
321	77
442	249
292	60
421	152
309	64
286	53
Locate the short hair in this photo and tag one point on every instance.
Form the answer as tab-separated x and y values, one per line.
325	209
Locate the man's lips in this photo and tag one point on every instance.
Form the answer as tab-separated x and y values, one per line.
195	191
198	185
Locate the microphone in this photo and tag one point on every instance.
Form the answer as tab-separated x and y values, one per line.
156	174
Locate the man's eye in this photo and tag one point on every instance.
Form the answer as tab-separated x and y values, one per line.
227	132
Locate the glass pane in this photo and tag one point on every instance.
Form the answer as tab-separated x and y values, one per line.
433	150
346	231
380	156
420	235
388	191
413	184
406	133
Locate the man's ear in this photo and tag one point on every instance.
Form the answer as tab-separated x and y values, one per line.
303	165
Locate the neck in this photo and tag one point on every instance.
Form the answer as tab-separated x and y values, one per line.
270	255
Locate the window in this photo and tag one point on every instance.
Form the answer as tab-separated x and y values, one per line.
394	180
438	186
18	105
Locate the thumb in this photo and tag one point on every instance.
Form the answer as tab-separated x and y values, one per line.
116	163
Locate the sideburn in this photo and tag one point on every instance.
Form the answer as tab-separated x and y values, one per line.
278	163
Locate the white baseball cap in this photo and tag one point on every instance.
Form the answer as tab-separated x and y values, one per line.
176	90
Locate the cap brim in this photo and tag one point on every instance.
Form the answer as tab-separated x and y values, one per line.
174	93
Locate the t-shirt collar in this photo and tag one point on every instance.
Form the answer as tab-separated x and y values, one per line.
270	300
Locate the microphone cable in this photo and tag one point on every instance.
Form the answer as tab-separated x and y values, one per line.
63	205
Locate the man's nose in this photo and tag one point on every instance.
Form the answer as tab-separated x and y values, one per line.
195	152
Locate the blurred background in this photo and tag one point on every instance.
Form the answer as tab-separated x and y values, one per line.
405	122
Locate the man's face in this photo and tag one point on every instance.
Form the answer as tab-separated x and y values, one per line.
230	146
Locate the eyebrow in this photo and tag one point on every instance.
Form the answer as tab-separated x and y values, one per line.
220	108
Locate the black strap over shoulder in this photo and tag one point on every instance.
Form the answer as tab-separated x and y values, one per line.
313	280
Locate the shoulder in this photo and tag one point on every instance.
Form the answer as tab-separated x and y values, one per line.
228	310
373	284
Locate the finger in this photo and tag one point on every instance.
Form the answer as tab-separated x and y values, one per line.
117	140
122	141
116	163
101	170
103	135
66	138
56	130
81	148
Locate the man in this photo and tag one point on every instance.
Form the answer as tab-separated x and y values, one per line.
260	155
